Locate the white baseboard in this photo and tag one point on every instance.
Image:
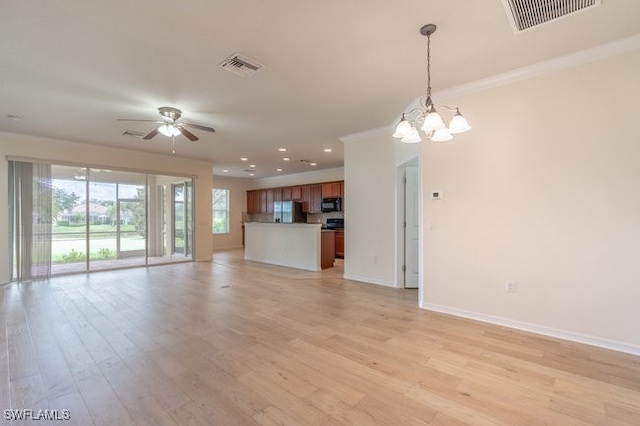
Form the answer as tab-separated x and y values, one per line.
217	249
281	263
538	329
368	280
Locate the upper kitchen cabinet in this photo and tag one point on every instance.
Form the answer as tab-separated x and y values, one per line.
296	193
262	200
315	205
277	194
286	194
254	202
332	189
271	197
311	198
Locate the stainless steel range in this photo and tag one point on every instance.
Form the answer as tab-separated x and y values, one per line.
334	223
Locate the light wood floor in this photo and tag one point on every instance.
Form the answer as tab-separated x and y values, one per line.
239	343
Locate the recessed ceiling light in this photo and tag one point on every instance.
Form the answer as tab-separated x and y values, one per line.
327	150
252	165
286	158
313	164
252	174
244	159
282	149
278	170
225	171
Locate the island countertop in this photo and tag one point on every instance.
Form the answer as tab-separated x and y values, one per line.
295	245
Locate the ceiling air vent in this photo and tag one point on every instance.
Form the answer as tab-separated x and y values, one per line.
132	133
241	65
525	14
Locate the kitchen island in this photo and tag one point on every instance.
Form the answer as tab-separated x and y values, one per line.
294	245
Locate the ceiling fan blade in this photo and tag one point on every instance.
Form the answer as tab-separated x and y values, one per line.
151	134
146	121
199	127
187	133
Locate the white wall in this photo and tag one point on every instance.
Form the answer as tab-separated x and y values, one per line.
369	179
542	191
238	204
71	152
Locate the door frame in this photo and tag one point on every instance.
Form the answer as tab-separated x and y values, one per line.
400	219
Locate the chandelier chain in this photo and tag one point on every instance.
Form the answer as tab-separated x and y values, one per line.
428	66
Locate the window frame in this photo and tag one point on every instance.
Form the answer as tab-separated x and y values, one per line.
226	210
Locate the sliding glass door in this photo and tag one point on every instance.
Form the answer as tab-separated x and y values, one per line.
181	224
69	219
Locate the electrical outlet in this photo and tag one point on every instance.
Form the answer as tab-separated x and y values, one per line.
510	286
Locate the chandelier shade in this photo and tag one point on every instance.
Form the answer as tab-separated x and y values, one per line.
427	117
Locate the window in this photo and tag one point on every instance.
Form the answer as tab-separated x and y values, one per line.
220	211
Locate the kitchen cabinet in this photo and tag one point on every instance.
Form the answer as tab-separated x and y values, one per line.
250	207
261	200
253	202
270	199
316	198
286	194
305	196
332	190
296	193
340	243
277	194
312	197
327	249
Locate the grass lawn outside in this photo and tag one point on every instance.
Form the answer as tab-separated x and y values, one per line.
68	243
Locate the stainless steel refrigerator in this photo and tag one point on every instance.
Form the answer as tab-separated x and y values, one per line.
288	212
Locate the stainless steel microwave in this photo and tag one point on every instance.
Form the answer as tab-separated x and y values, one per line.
331	204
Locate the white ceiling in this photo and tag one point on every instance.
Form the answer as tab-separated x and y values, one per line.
333	68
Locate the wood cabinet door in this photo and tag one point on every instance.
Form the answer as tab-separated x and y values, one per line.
315	204
286	194
305	196
327	190
277	194
270	199
296	193
340	244
250	204
332	190
263	201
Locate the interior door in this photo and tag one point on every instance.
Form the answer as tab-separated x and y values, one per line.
412	227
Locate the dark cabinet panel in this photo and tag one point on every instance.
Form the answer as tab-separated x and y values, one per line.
340	244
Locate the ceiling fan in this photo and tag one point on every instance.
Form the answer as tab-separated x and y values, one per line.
169	125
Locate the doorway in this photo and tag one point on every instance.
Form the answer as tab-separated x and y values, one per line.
181	224
409	225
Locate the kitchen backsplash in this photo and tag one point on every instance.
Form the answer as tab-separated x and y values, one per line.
322	217
311	217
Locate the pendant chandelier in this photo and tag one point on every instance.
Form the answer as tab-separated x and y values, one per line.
426	117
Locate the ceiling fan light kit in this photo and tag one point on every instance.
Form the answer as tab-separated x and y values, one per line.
170	127
426	117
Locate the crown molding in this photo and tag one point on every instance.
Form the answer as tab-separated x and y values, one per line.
568	61
384	131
